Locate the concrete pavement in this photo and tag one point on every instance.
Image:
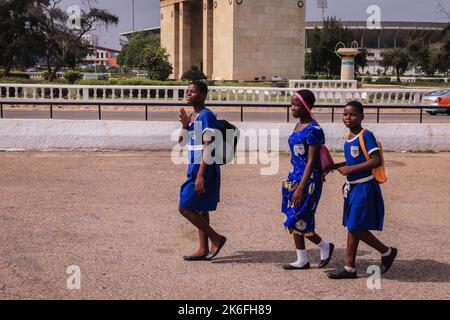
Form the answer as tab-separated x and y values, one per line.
114	215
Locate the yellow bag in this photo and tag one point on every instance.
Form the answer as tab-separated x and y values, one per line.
380	172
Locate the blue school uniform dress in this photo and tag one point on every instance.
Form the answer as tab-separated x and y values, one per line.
363	201
204	123
300	220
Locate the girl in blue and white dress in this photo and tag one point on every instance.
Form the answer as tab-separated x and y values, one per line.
363	201
200	193
302	190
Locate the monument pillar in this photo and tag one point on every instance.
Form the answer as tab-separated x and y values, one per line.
347	56
184	38
208	38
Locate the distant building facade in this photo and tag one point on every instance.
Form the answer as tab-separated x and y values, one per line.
102	56
392	34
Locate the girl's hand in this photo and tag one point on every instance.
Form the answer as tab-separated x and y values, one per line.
200	184
185	119
345	170
297	197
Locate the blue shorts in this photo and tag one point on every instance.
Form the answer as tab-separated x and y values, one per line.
364	207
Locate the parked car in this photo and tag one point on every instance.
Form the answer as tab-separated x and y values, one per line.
440	99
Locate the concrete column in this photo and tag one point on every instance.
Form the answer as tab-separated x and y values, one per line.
169	34
348	68
184	38
208	25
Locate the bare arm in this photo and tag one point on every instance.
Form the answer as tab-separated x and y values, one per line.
374	162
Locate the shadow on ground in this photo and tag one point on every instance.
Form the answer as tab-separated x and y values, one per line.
417	270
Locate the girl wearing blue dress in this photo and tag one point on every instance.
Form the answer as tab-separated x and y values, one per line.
201	192
302	190
363	201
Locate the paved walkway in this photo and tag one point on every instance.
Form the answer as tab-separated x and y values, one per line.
115	216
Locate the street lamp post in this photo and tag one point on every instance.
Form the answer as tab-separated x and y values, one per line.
132	8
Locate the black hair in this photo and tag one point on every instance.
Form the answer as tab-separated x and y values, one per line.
358	105
201	86
308	96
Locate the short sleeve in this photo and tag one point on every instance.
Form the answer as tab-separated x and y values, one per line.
370	142
209	123
315	135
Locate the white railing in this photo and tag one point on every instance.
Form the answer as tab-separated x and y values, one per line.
256	95
86	75
407	79
318	84
40	75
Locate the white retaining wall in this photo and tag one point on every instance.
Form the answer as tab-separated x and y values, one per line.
18	134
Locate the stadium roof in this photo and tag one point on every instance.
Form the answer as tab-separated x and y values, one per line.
391	34
154	30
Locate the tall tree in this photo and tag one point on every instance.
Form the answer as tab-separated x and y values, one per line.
63	46
323	57
145	52
396	58
19	37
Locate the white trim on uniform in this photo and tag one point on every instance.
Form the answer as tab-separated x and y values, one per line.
362	180
373	150
209	130
195	148
356	137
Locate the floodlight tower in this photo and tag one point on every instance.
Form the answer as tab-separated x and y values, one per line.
322	4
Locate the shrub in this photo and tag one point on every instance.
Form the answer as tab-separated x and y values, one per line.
71	76
193	74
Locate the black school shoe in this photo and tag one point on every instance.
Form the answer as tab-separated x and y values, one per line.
324	263
291	267
343	274
195	258
386	262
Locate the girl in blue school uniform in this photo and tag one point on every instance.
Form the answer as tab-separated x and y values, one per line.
302	190
200	193
363	201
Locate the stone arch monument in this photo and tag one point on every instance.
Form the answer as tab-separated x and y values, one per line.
235	39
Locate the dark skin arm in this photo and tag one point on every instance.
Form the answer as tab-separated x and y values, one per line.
374	162
200	180
313	155
185	121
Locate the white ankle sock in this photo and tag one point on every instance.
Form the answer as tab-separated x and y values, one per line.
387	252
349	269
302	259
324	249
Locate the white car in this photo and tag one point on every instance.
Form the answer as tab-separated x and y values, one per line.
439	99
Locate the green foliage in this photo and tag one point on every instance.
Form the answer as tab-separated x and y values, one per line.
397	58
32	30
193	74
144	52
19	74
431	58
133	82
71	76
322	57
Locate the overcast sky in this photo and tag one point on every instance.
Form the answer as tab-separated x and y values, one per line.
147	13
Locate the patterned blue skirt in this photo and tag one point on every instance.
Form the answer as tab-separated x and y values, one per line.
301	219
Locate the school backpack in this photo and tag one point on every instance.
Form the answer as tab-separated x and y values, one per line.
230	137
380	172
